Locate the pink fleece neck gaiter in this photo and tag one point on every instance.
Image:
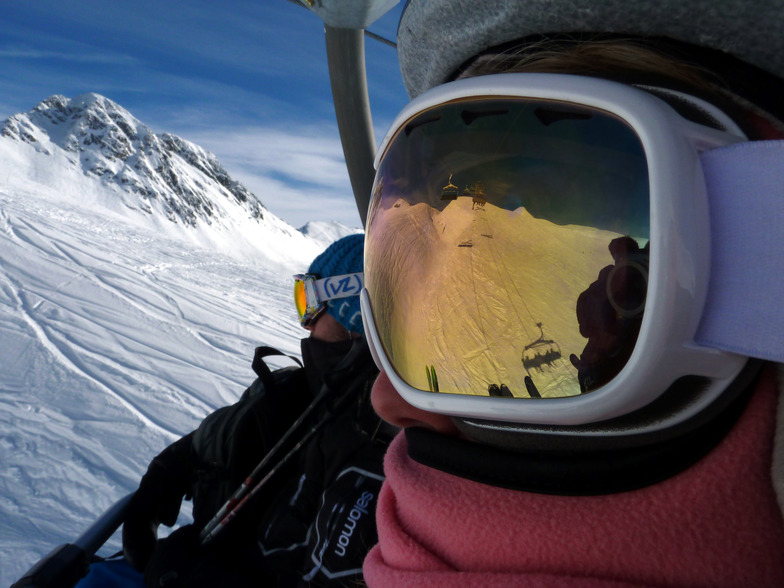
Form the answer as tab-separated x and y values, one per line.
716	524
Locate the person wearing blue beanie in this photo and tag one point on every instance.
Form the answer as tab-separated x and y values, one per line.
305	513
344	256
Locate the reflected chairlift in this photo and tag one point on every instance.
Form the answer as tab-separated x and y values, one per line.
477	193
450	191
540	352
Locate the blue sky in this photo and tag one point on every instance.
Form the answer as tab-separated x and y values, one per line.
245	80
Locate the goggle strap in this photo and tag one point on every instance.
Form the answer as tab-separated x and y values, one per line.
744	311
339	286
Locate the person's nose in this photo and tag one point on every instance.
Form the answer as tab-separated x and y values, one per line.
391	407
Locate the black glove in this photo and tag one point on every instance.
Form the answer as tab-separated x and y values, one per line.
173	559
157	501
180	561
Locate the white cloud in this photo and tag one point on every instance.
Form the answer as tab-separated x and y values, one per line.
297	206
298	173
82	57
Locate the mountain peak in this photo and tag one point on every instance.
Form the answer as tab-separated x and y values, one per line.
326	232
83	101
160	172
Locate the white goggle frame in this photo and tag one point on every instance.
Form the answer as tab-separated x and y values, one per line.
680	237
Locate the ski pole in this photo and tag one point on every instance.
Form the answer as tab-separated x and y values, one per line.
231	509
250	488
249	482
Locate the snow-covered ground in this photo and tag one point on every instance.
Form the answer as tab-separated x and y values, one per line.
120	329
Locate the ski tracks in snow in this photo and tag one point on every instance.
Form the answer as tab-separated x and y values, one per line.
34	246
67	359
114	340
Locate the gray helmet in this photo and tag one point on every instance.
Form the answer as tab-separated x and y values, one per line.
436	37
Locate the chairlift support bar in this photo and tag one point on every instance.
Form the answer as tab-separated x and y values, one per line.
345	24
348	78
67	563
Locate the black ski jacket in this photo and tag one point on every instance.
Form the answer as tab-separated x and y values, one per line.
313	521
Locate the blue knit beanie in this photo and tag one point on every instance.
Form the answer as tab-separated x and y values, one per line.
344	256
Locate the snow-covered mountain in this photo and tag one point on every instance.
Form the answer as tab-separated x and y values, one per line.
325	233
136	278
92	147
168	174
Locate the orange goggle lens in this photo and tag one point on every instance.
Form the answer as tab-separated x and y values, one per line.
300	298
305	298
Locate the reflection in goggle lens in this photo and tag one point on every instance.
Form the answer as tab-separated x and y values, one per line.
300	299
308	307
507	248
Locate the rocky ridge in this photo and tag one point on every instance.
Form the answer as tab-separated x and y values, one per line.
182	180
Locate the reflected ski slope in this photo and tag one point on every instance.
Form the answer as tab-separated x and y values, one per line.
492	298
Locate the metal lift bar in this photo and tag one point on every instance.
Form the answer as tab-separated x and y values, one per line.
347	75
66	564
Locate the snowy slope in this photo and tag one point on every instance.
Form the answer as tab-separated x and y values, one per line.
509	319
127	311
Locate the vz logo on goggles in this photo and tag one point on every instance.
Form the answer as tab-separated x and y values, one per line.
340	286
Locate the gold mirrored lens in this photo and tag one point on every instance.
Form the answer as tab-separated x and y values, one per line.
506	249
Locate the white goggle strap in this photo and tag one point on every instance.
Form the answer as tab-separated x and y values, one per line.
744	310
339	286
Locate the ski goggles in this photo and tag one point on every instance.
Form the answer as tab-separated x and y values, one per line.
311	294
538	250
